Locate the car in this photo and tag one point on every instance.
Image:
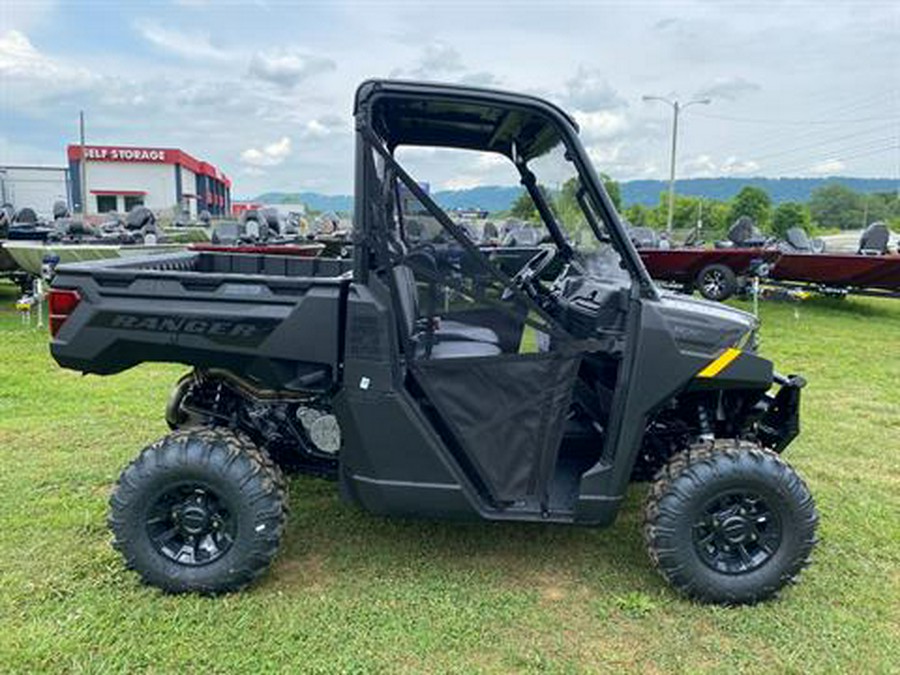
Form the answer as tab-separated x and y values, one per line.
426	391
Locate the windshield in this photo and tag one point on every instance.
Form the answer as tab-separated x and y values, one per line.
560	186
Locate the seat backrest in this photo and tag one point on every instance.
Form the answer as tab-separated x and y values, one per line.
408	298
874	239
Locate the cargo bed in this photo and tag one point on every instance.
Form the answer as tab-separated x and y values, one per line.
278	319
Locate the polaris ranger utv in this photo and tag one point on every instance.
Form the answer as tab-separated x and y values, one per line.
428	382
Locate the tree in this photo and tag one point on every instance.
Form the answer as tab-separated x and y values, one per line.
836	206
639	215
753	202
788	215
715	218
613	190
523	208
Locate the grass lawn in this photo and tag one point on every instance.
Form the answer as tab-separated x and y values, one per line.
352	592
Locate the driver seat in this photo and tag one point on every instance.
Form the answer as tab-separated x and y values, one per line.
441	347
447	330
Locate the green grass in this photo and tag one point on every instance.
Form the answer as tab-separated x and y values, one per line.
352	592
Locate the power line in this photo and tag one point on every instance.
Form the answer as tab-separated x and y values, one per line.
832	153
820	142
793	122
774	139
806	166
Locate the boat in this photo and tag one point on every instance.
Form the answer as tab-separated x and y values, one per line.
299	249
716	272
30	255
873	270
33	244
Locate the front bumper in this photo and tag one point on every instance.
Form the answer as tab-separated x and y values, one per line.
780	421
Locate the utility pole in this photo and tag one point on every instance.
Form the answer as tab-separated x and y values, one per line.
83	165
677	107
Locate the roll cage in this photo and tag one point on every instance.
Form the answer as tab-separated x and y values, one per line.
390	114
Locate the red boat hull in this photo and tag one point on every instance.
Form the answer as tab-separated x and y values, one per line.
682	265
839	270
297	250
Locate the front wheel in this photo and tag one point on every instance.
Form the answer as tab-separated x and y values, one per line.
729	522
200	510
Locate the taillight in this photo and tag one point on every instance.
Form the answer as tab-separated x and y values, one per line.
62	302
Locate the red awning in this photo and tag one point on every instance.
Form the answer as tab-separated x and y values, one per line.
126	193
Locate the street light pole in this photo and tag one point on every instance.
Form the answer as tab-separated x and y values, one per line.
677	107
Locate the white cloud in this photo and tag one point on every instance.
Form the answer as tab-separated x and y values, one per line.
28	75
828	167
269	155
601	124
287	67
438	58
481	78
729	88
734	166
194	46
439	61
254	171
706	166
589	90
325	126
25	15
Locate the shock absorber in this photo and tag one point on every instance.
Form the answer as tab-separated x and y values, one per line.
706	430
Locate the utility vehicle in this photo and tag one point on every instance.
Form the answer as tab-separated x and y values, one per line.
430	385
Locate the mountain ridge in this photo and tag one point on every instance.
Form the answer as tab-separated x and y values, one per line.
495	198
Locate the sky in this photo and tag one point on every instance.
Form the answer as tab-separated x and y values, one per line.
264	90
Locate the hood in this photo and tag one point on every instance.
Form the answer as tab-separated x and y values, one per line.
707	327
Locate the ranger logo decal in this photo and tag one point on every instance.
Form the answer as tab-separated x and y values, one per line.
246	332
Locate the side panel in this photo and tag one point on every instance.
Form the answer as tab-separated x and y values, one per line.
391	462
285	339
655	369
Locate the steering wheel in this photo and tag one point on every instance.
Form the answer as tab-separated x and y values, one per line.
525	278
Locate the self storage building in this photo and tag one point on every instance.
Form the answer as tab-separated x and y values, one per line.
119	178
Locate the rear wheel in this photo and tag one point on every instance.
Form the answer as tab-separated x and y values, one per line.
200	510
717	282
729	522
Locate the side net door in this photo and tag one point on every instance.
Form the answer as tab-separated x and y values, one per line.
493	372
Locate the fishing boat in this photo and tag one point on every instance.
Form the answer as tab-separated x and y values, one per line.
873	270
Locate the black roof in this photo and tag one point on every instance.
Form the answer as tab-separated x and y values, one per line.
420	113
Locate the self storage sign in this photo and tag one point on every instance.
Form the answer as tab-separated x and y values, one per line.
110	154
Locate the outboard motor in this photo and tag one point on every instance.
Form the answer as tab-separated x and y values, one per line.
272	220
139	217
874	239
61	210
6	214
745	234
26	216
255	225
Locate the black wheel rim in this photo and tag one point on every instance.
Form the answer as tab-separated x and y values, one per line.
737	532
714	283
189	524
